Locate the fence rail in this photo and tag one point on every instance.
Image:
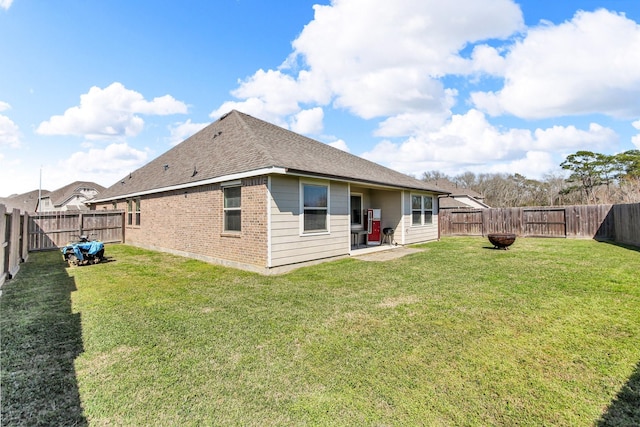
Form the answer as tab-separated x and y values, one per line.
620	223
50	230
21	233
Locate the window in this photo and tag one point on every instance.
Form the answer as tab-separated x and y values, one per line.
356	210
232	209
129	212
428	209
133	206
315	208
137	211
421	210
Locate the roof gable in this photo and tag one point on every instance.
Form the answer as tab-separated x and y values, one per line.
61	195
238	143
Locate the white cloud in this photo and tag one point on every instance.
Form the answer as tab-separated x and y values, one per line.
376	59
104	166
108	113
9	132
382	60
118	156
340	145
487	59
590	64
5	4
16	176
181	131
411	123
308	122
534	164
636	138
560	137
273	95
469	142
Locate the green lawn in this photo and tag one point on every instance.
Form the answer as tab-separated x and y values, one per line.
547	333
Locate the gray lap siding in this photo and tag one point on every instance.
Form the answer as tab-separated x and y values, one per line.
288	244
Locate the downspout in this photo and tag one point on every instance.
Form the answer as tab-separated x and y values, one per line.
403	218
437	200
269	201
349	216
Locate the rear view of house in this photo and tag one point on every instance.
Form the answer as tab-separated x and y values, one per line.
249	194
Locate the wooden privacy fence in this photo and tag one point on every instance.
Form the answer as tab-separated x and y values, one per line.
13	245
608	222
626	219
51	230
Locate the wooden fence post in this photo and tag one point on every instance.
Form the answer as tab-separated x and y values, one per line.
24	237
4	245
14	244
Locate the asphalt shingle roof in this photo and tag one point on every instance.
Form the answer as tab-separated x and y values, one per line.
61	195
26	202
454	189
239	143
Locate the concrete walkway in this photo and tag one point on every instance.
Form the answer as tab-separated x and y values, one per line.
386	255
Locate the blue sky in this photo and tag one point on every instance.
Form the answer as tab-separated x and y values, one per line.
92	90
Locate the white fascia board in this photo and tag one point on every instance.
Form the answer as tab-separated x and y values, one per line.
233	177
360	183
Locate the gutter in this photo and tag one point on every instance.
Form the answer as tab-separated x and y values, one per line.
264	171
257	172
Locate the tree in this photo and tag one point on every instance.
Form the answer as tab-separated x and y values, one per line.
466	180
434	176
586	172
604	178
554	187
628	163
628	176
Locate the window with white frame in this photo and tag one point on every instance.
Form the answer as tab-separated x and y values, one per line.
232	209
315	208
356	210
129	212
421	210
133	212
137	211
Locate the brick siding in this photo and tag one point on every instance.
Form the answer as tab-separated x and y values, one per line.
191	221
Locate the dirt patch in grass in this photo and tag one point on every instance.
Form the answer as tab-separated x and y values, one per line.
392	302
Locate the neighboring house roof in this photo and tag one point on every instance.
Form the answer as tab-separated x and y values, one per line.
241	144
458	195
455	190
62	195
26	202
451	203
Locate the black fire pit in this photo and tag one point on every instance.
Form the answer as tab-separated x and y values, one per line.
501	240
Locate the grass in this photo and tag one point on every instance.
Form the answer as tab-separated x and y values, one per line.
543	334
